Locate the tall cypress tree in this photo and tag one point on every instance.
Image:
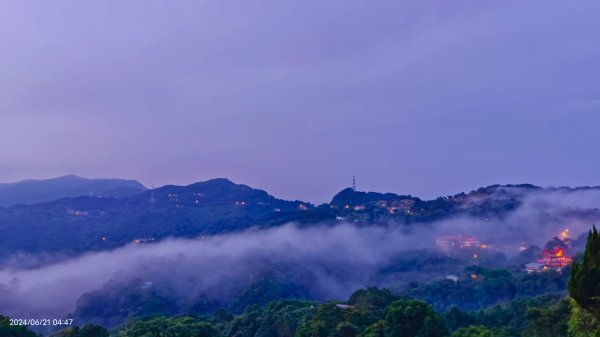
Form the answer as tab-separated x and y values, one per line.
584	285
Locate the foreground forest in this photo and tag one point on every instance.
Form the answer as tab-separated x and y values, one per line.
368	312
375	312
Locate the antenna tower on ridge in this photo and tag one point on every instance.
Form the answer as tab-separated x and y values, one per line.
152	200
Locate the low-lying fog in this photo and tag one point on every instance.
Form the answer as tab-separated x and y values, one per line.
340	258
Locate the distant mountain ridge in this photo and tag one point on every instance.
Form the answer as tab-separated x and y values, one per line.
33	191
90	223
84	223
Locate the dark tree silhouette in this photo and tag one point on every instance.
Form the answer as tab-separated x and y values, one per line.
584	285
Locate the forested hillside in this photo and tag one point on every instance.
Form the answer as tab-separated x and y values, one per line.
90	223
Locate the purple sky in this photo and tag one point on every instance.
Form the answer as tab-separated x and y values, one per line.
417	97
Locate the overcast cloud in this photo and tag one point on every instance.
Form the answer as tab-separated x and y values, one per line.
418	97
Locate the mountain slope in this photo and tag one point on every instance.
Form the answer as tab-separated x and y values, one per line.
89	223
80	224
35	191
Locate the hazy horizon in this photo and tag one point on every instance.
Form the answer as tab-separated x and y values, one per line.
324	199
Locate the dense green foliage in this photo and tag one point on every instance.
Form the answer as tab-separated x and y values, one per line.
375	312
480	331
548	321
481	287
584	285
89	330
369	312
280	318
512	318
412	318
169	327
581	322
